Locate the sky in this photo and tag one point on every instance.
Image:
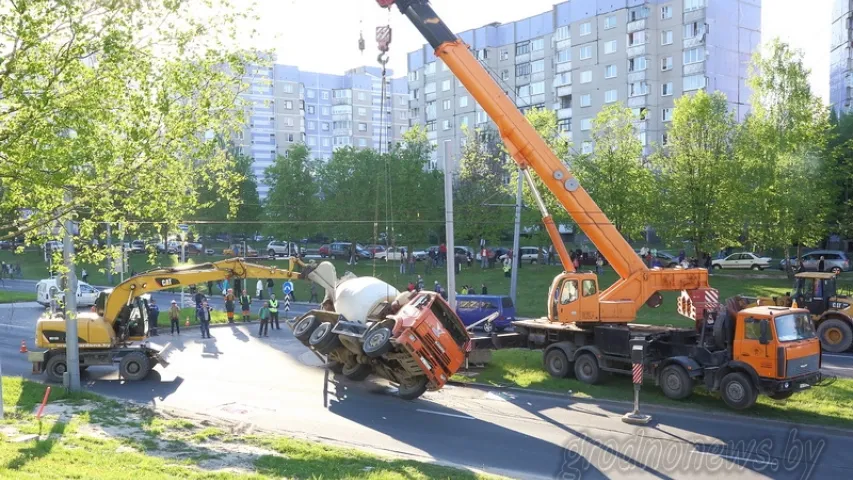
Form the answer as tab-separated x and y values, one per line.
322	35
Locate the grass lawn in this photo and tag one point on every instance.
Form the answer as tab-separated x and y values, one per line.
216	317
7	296
831	405
90	437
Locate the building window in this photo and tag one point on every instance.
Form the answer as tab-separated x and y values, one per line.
694	55
429	88
642	138
664	138
610	47
562	33
586	124
610	71
694	82
482	117
586	147
538	66
429	69
638	13
324	110
522	91
586	76
610	22
312	126
666	114
522	70
586	29
324	126
446	104
504	54
482	54
312	141
666	89
586	100
666	37
288	121
444	67
586	52
325	142
310	93
690	5
362	127
445	85
430	126
413	76
611	96
537	88
637	38
463	101
564	125
362	111
637	64
287	88
666	12
564	55
504	74
638	88
288	104
361	96
324	95
463	122
522	48
666	64
445	125
362	142
694	29
401	115
309	109
537	44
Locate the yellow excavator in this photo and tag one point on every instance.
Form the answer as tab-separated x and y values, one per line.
116	330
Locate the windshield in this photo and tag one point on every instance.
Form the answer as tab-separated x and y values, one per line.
795	326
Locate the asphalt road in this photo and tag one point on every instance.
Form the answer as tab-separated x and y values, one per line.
276	383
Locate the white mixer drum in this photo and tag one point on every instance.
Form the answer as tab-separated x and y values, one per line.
356	297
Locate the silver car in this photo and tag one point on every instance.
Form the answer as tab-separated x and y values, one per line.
834	261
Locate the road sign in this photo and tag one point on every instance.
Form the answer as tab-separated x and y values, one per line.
287	288
184	228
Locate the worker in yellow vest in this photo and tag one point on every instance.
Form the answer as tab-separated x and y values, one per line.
274	313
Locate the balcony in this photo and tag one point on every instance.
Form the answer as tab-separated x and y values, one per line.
564	91
342	101
346	117
564	113
636	25
537	77
342	132
537	54
564	67
563	44
522	59
432	135
696	41
641	125
635	51
637	76
637	101
694	68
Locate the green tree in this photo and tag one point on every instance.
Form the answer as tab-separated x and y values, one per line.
120	104
700	187
616	175
783	142
291	205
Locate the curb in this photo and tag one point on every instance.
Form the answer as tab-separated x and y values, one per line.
653	407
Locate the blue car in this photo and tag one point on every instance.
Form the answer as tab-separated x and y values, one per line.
473	308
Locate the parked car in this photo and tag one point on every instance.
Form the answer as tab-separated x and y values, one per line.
323	251
342	250
473	308
393	254
137	246
283	249
528	254
667	259
48	289
374	249
236	250
53	246
834	261
742	260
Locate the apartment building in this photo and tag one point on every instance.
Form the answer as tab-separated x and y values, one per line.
841	56
286	105
585	54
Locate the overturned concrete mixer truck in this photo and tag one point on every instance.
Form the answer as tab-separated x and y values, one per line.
366	326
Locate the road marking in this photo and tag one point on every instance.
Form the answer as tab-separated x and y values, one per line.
830	367
838	355
735	458
466	417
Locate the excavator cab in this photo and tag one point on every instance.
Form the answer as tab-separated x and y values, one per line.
574	298
814	291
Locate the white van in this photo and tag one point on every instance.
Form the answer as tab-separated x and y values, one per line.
48	289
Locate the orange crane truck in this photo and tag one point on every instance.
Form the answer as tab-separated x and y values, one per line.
589	331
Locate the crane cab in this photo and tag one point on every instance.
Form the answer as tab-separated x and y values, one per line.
574	298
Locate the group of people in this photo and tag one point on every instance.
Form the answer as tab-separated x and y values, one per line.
8	270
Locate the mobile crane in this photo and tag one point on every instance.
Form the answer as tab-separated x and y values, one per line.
116	331
771	350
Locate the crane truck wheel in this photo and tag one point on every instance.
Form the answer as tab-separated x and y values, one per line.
303	330
357	371
835	335
412	388
557	364
56	367
675	382
134	366
323	340
587	369
738	391
377	342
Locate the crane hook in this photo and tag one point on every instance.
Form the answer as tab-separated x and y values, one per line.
382	59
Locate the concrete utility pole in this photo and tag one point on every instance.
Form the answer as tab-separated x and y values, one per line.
109	254
1	389
516	250
72	352
448	222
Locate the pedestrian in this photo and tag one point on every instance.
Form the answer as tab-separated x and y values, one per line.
175	317
681	256
270	286
402	261
708	261
238	285
577	262
821	264
245	305
229	305
484	290
264	317
507	268
420	285
203	314
153	316
411	287
83	274
313	298
442	255
468	259
430	262
484	258
471	291
437	287
259	289
198	297
226	288
411	264
599	264
210	288
273	306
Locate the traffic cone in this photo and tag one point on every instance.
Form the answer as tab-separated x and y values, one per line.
187	324
23	346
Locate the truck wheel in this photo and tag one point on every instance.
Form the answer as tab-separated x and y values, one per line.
413	388
55	367
335	367
737	391
377	342
587	370
781	395
134	366
675	382
323	339
557	364
835	335
303	330
357	372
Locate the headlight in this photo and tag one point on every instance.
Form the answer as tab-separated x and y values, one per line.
787	385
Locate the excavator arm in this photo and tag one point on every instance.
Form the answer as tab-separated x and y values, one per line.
636	283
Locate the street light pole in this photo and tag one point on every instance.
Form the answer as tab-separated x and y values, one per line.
72	352
109	254
448	219
183	261
516	250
